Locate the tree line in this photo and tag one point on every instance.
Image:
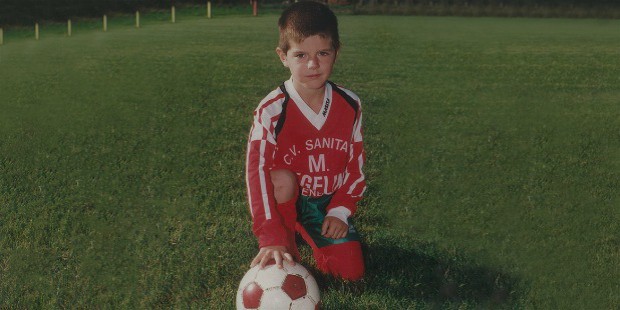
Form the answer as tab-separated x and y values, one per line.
588	3
22	12
17	12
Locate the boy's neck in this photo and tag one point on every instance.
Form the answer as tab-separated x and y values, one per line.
313	97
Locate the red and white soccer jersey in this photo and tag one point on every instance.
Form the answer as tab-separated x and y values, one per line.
325	151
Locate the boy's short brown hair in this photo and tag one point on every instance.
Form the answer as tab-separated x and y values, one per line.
307	18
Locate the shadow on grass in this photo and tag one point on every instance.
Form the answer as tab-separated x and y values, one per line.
421	273
425	273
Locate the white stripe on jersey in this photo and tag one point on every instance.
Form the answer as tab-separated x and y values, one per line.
263	182
357	135
263	120
360	161
351	94
247	179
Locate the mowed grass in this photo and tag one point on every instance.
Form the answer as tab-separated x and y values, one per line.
493	163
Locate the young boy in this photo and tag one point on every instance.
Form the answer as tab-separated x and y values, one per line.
305	153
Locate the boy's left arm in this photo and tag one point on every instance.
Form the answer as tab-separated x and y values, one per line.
344	203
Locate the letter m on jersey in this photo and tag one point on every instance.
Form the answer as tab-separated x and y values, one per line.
314	166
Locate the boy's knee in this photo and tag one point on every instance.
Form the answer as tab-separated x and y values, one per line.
352	270
352	274
284	185
344	260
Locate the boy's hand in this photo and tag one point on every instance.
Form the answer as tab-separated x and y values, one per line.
334	228
272	252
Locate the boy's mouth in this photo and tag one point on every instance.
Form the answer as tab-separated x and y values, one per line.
313	76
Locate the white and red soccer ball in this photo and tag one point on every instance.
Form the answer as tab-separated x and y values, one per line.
291	287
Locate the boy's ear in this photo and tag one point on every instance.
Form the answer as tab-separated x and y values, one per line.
282	56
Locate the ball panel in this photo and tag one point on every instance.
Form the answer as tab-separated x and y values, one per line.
239	300
303	303
270	276
252	295
294	286
249	277
275	299
313	288
298	269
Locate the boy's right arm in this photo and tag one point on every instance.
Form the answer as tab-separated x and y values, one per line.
267	223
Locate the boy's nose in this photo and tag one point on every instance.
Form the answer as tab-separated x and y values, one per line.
313	63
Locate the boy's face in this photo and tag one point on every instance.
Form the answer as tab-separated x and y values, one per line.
310	61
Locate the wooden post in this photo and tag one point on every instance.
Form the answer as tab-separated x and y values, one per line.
173	15
255	7
137	19
1	36
208	9
105	23
69	27
36	31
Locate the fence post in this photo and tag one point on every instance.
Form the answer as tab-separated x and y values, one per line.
36	31
69	27
105	23
1	36
208	9
137	19
173	15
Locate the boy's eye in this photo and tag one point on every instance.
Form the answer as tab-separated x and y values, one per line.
300	55
324	54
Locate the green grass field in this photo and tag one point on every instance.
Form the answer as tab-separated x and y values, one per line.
493	162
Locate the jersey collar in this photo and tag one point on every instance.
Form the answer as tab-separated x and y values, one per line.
317	120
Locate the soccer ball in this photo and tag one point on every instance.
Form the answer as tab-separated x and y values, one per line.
291	287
